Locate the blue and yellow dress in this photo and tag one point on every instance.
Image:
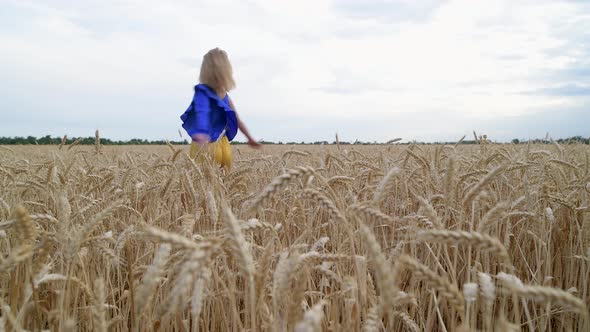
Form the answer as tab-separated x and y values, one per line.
208	114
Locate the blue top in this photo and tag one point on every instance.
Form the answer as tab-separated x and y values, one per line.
208	114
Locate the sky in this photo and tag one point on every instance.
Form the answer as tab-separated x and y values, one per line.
371	70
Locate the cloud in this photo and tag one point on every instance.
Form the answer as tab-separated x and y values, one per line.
570	90
390	11
557	122
128	67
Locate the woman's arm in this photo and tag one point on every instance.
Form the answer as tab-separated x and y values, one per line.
251	141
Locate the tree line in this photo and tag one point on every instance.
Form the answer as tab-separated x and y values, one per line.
48	140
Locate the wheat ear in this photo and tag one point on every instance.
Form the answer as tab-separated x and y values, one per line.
312	319
372	321
409	323
429	211
542	294
285	269
586	234
278	183
371	214
383	271
385	185
442	285
492	215
324	202
481	184
27	232
241	251
175	239
150	278
477	240
98	309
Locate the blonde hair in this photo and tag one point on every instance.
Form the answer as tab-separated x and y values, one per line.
216	71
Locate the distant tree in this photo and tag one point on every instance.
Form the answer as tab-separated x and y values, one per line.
47	139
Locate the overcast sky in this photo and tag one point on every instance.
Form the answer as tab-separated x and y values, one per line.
367	69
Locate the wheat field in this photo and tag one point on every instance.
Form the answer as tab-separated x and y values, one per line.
485	237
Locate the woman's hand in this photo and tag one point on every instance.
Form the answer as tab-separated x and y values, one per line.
201	139
254	144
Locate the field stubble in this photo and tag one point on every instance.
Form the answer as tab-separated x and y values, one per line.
306	238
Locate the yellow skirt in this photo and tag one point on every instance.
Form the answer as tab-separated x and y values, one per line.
220	151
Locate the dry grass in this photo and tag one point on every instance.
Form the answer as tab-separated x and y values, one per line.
339	238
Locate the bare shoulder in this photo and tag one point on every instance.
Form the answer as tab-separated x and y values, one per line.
231	103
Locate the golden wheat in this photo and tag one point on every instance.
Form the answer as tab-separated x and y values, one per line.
317	238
